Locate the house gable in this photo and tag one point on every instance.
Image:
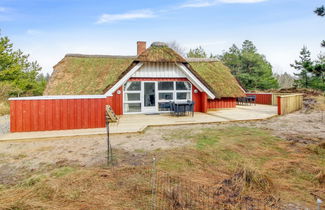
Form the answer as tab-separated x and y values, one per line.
159	70
143	70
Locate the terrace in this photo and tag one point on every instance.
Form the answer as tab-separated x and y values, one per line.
137	123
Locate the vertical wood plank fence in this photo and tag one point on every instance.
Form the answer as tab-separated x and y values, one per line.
262	98
289	103
275	97
57	113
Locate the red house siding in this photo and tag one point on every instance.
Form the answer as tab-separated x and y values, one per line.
80	113
116	101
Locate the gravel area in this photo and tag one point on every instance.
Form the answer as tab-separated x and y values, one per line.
4	124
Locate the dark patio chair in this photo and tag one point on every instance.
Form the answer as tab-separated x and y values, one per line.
190	107
172	107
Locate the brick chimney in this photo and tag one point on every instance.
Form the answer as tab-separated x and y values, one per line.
141	47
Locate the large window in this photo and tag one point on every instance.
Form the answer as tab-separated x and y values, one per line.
132	97
173	91
183	91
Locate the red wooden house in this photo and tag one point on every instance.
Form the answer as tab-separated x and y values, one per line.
81	86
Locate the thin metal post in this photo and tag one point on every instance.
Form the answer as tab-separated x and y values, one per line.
153	187
109	148
319	202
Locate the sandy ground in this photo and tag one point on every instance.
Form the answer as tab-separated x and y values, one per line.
4	124
19	159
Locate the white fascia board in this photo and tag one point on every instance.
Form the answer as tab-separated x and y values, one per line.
196	81
124	79
58	97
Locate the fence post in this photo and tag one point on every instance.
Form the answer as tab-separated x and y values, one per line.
153	183
279	105
109	147
319	202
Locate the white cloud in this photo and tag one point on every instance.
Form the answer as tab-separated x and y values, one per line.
139	14
241	1
206	3
197	4
33	32
3	9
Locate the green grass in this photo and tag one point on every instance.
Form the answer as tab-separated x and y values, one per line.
231	149
263	165
59	172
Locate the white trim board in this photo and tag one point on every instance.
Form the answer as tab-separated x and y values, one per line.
57	97
123	80
190	76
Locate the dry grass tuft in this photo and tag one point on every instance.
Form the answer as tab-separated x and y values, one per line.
320	177
253	179
4	107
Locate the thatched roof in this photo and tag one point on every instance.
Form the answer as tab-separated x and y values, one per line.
160	52
219	78
85	75
79	74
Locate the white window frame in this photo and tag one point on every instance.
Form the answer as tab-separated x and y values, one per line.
132	102
174	91
141	91
183	91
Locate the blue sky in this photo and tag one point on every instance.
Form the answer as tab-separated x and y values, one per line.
48	29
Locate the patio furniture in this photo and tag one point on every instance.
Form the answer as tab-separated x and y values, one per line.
249	100
190	108
182	107
172	107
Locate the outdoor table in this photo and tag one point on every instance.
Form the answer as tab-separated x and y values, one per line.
181	107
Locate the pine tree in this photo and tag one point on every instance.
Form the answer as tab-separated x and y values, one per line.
320	11
17	72
304	66
198	52
249	67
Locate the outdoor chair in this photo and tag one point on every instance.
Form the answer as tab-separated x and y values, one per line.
251	100
190	108
172	107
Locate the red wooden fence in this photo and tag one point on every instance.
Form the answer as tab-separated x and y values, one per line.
222	103
262	98
57	113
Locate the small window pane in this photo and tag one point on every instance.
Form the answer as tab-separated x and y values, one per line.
165	106
183	96
165	85
132	86
132	107
165	96
183	86
132	96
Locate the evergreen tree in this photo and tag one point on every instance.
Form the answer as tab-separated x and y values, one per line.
198	52
17	72
304	66
320	11
249	67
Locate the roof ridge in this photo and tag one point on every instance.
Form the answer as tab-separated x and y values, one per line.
98	56
201	60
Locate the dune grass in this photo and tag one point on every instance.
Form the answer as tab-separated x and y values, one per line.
260	166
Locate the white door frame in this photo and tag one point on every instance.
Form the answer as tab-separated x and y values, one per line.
152	109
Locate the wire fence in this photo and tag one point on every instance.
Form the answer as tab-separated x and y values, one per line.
150	188
170	192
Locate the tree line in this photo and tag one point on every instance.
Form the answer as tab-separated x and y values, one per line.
21	77
254	72
18	75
